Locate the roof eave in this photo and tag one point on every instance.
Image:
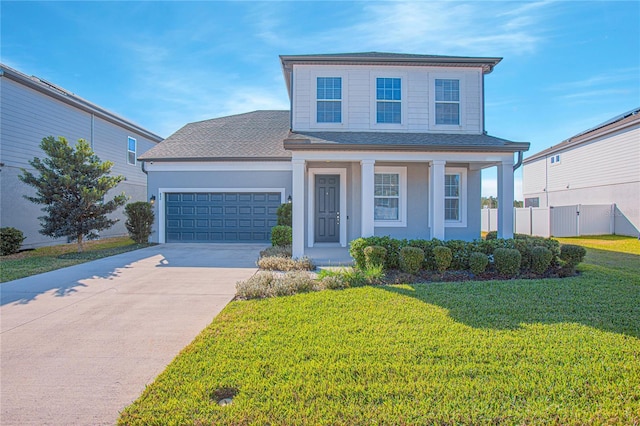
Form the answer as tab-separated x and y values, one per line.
306	145
212	159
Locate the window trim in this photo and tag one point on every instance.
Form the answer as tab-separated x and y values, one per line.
373	117
461	100
462	222
402	196
135	150
313	99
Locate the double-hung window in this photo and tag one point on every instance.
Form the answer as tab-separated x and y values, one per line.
131	150
329	100
447	101
389	100
452	197
389	196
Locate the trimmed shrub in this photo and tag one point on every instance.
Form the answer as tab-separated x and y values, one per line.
491	235
443	257
572	254
284	214
427	247
139	221
393	246
507	261
540	259
356	250
10	240
293	282
478	262
375	256
460	251
277	251
281	236
257	286
411	259
276	263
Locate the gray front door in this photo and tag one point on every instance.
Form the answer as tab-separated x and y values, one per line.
327	214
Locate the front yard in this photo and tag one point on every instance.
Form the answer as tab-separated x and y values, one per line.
555	351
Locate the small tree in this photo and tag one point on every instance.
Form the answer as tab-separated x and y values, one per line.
72	185
139	221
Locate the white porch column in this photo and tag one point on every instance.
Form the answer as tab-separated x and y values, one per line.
505	199
436	201
297	213
367	204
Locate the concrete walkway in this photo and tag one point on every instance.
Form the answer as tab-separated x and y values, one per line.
79	344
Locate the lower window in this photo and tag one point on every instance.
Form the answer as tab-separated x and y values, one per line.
390	196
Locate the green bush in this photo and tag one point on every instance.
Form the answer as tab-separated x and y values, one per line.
140	219
10	240
284	214
572	254
460	251
276	251
281	236
356	250
411	259
393	246
281	263
491	235
375	256
443	257
427	247
507	261
540	259
478	262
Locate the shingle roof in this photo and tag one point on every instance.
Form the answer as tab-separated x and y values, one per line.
256	135
613	124
391	141
265	135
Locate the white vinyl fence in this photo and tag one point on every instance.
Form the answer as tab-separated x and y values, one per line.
557	221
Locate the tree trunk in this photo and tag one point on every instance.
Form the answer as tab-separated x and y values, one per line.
80	248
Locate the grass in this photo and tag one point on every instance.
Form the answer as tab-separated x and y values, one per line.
45	259
504	352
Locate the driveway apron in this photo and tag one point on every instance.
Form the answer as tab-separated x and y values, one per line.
79	344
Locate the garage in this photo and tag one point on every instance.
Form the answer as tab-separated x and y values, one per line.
217	217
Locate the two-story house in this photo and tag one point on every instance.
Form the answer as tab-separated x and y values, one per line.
374	144
31	109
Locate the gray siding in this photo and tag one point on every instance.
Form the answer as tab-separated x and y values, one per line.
27	116
602	171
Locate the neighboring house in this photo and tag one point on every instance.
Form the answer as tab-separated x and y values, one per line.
31	109
374	144
598	166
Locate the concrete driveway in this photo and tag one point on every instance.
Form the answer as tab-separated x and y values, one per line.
79	344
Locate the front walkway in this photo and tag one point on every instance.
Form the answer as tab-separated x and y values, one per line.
81	343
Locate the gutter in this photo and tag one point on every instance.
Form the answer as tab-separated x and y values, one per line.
307	146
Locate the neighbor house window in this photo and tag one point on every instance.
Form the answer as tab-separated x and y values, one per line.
131	151
447	102
390	196
389	100
452	197
329	100
532	202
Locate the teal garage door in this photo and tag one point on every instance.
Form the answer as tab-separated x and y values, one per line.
235	217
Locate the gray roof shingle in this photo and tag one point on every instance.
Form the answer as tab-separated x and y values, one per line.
266	136
256	135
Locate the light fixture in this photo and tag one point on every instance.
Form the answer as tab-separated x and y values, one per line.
152	200
289	199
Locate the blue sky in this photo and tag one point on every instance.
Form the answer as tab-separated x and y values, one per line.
568	65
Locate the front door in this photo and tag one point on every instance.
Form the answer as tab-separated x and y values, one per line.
327	221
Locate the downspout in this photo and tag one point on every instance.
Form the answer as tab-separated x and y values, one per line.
291	99
143	169
519	162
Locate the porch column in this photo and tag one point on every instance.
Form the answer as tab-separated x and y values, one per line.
436	201
367	203
297	212
505	199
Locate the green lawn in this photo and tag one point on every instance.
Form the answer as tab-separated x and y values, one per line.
45	259
562	351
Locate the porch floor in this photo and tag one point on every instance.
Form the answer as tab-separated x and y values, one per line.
329	256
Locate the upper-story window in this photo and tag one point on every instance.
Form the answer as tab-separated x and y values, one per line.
447	101
131	151
389	100
329	100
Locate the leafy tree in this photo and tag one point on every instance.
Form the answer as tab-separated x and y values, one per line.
72	185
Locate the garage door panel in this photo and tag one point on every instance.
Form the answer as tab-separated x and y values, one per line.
220	217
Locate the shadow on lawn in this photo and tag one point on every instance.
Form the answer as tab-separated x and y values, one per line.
604	296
